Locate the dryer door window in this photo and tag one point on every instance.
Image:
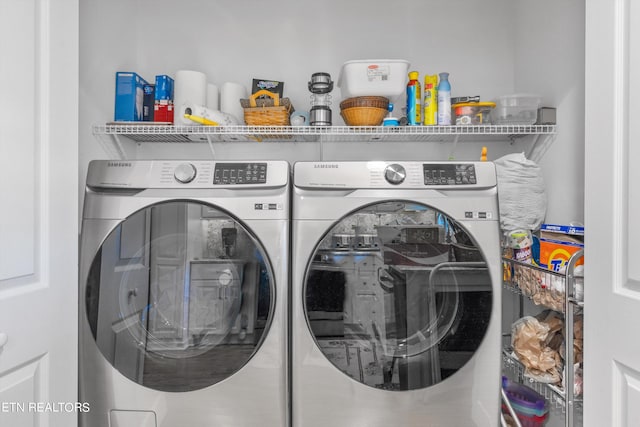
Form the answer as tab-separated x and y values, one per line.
398	296
179	296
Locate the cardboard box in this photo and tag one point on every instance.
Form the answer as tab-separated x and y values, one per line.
163	111
163	107
164	88
129	96
558	243
149	100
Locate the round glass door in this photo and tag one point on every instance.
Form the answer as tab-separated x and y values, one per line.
398	296
179	296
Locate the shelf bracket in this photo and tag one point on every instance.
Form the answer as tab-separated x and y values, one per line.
533	146
117	144
210	142
456	138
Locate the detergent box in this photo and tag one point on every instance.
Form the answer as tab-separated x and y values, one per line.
163	107
558	243
129	96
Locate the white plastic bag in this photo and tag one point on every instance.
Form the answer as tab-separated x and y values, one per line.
521	193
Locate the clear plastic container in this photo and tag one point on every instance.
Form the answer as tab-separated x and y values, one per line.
518	109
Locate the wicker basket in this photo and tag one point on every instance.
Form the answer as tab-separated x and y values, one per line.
365	101
363	116
272	111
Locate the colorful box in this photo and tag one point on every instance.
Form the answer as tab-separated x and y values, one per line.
149	100
129	96
558	243
163	111
163	107
164	88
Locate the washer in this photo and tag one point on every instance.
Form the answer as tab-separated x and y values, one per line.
183	294
396	300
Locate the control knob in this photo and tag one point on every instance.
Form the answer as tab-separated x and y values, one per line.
184	173
395	174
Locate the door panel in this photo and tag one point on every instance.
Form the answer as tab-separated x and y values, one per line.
18	224
612	206
38	219
168	249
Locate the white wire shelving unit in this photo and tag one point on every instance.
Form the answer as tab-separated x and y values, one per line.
117	134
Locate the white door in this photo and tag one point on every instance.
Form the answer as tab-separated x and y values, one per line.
38	212
612	206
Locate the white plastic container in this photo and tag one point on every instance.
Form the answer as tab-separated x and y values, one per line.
518	109
373	77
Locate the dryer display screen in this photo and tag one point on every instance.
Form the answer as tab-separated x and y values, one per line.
449	174
240	173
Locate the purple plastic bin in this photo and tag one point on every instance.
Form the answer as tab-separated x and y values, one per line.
524	400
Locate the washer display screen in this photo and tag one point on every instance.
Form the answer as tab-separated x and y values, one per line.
240	173
179	296
398	296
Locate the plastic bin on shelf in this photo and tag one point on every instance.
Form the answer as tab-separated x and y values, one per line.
373	77
530	406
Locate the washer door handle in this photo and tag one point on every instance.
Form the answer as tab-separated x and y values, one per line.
3	339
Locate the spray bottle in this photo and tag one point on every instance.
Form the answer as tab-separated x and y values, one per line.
414	108
444	100
430	103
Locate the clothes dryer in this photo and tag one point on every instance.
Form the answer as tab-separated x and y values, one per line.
183	294
395	294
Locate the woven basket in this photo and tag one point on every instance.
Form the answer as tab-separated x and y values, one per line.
363	116
272	111
365	101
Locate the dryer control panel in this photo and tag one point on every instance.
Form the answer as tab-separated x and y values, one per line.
441	175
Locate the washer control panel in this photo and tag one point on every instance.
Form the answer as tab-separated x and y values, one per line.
449	173
240	173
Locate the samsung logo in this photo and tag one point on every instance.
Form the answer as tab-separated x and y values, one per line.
326	166
118	164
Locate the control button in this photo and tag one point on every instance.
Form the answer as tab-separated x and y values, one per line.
184	173
395	174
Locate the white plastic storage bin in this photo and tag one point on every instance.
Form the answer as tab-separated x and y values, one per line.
518	109
373	77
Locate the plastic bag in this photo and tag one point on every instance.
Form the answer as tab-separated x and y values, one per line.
521	193
533	341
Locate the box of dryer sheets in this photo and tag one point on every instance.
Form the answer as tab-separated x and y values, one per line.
558	243
129	96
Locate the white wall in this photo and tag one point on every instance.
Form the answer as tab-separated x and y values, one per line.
550	58
490	48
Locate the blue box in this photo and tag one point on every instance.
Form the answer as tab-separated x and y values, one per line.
129	96
164	88
563	229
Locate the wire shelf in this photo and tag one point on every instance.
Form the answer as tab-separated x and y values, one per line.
539	284
552	393
140	132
